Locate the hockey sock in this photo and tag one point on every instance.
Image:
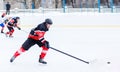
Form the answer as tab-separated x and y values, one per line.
8	33
18	52
44	52
11	32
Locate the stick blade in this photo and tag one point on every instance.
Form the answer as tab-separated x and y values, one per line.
93	61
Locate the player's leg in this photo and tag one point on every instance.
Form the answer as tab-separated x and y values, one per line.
26	45
2	25
11	32
17	53
43	52
8	33
8	12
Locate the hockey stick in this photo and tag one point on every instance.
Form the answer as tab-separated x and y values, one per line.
69	55
24	31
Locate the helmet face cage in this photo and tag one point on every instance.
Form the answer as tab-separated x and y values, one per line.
48	21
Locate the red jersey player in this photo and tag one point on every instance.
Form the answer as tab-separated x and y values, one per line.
36	36
13	22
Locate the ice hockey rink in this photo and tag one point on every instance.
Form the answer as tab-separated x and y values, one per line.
92	37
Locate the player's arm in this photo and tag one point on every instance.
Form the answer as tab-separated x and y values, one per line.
18	25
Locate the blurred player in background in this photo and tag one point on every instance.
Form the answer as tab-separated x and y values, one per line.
8	6
13	22
2	18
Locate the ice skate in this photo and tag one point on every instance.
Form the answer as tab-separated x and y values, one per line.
2	32
10	36
42	61
12	59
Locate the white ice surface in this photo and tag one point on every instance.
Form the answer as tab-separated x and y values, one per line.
89	44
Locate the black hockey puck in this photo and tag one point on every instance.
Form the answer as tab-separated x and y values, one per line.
108	62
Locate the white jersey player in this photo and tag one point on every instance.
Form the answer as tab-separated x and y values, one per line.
2	19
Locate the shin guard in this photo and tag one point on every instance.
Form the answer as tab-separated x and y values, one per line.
44	52
18	52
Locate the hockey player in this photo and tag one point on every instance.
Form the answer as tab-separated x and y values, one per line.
2	22
36	36
13	22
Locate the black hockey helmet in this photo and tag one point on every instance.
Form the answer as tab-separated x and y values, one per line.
48	21
17	17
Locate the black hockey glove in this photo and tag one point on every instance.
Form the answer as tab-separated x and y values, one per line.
47	44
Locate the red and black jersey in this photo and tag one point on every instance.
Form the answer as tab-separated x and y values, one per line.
13	21
38	32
